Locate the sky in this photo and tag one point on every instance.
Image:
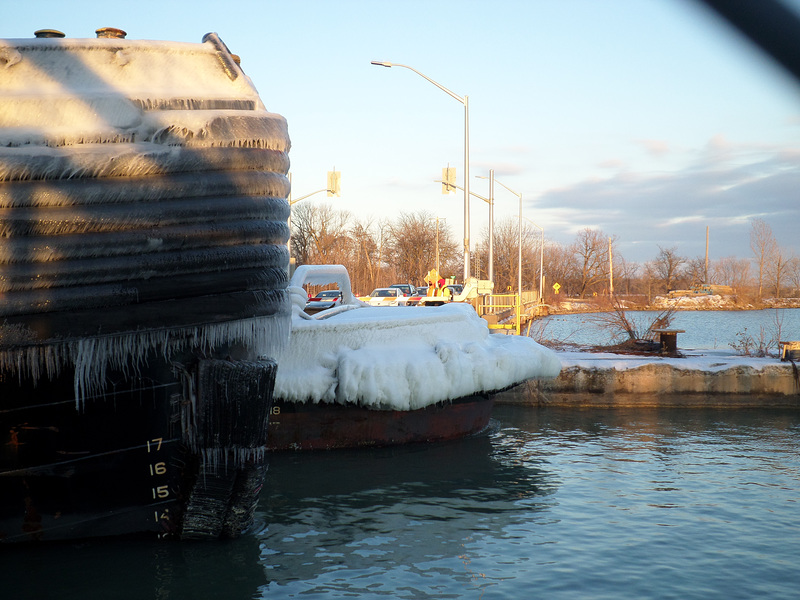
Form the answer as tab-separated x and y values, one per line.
651	120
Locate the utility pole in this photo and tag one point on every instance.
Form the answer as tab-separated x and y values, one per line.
610	270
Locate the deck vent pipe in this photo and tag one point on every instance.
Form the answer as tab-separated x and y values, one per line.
111	32
48	33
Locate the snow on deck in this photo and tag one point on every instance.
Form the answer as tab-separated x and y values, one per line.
404	358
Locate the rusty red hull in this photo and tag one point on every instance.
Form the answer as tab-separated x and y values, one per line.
296	426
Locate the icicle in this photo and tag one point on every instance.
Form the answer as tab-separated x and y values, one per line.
91	357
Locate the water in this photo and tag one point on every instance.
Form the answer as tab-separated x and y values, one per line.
714	329
622	504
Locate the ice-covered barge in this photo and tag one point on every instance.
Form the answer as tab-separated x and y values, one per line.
142	282
360	375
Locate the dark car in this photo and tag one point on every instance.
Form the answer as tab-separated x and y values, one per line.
405	288
324	300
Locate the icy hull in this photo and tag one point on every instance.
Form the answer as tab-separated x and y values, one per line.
304	426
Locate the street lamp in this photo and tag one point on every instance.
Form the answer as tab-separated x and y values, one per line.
541	258
332	189
519	243
465	102
491	222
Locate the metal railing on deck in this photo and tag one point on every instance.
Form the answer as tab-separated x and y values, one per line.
501	311
507	311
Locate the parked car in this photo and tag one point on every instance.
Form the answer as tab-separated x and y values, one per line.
406	288
324	300
385	297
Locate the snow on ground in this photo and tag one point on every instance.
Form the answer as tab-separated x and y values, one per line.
691	360
698	302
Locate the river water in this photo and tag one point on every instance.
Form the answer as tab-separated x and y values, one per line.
622	504
708	329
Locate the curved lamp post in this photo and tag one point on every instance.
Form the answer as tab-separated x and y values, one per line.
465	102
292	202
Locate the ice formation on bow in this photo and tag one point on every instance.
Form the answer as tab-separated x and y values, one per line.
398	358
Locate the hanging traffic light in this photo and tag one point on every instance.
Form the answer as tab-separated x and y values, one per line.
448	180
334	183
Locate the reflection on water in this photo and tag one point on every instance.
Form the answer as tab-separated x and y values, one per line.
550	503
404	509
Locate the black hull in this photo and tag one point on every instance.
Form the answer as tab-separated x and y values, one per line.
143	268
113	466
120	463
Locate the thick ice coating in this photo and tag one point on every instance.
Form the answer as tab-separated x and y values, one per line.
143	207
402	358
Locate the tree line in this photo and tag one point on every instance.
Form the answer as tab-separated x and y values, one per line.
378	253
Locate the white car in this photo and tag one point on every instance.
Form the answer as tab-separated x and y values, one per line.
324	300
385	297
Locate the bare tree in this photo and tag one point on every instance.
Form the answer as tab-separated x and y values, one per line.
764	246
778	269
319	234
412	246
731	271
560	266
695	271
506	255
794	276
364	264
591	252
667	266
625	272
649	276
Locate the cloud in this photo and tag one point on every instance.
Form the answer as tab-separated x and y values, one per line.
646	209
657	148
611	163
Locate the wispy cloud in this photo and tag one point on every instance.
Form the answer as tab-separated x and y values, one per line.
724	187
657	148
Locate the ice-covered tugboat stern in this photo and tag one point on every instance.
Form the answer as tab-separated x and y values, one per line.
142	282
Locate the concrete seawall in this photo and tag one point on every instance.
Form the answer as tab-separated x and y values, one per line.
701	380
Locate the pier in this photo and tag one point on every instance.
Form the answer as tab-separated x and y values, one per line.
510	313
707	379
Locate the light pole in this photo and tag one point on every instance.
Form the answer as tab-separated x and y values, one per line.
491	223
519	243
541	258
437	242
465	102
291	202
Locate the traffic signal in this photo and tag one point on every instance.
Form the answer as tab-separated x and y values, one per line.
448	180
334	183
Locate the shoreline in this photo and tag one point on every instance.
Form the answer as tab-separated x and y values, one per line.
683	303
699	378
